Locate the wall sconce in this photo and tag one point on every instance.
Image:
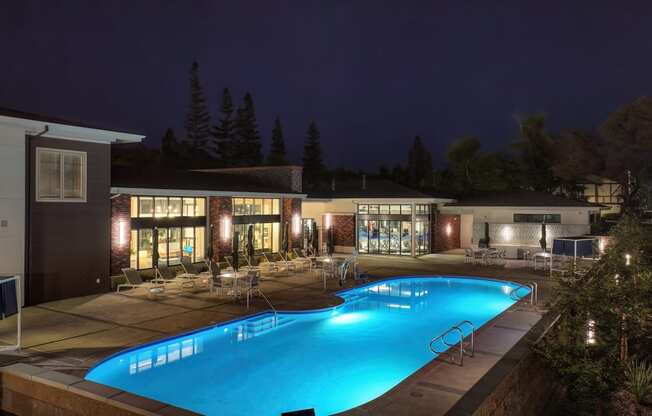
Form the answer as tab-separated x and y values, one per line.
328	221
296	224
122	233
449	230
226	228
507	233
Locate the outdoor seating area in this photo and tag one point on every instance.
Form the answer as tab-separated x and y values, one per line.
489	256
235	278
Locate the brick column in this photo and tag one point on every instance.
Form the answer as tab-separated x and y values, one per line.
445	232
292	207
219	208
120	233
344	229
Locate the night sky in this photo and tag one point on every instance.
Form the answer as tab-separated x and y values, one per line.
371	75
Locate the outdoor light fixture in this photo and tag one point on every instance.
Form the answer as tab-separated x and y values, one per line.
628	259
601	245
507	233
296	224
449	229
328	221
590	332
122	233
226	228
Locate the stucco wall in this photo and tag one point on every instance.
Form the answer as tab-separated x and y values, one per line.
505	215
12	200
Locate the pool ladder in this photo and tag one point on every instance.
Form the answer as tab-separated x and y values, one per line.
534	292
465	348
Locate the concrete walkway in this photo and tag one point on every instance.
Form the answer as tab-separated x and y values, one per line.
73	334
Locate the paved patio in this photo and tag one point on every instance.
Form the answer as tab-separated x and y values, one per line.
73	334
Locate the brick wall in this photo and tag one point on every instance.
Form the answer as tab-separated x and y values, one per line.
344	230
220	207
120	223
442	239
292	207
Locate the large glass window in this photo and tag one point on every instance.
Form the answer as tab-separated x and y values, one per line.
266	236
385	237
173	243
422	237
60	175
256	206
162	206
538	218
394	209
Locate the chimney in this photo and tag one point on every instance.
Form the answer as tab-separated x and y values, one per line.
364	181
333	184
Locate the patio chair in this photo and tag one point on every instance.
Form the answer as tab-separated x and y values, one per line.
250	284
134	281
191	271
478	257
468	255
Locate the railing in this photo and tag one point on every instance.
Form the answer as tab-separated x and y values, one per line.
533	288
269	302
459	343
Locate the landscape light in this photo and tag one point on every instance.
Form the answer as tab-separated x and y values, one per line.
628	259
590	332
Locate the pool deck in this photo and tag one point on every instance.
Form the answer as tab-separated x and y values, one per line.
72	335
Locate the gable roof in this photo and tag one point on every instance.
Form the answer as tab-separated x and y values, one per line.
374	188
518	199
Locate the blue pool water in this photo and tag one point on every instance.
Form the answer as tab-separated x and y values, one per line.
331	360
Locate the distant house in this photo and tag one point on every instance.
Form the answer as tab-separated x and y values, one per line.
604	191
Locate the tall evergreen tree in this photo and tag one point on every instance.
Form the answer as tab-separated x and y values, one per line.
313	165
169	149
536	155
197	122
277	150
247	150
419	167
224	131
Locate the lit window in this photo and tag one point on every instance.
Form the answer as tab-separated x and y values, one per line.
200	207
60	175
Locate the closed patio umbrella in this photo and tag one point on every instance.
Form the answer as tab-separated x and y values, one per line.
209	249
155	254
250	243
543	242
314	237
330	244
235	247
285	243
486	234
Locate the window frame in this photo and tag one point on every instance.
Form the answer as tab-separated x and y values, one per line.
62	153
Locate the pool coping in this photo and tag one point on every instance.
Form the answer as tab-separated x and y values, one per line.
131	403
298	312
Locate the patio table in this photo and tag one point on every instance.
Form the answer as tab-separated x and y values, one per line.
543	257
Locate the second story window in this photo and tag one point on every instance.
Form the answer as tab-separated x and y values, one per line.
60	175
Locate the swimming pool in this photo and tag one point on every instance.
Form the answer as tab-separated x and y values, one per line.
331	360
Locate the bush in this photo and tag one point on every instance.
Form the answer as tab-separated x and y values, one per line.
638	380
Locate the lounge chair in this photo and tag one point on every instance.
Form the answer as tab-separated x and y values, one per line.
300	258
190	271
134	281
165	275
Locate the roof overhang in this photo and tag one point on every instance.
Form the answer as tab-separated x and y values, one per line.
68	132
193	192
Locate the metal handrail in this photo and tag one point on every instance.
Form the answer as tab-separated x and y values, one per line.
534	292
462	351
269	302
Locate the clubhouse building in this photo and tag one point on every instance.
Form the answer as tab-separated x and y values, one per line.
68	221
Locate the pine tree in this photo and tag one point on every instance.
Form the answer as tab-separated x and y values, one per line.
197	120
224	131
277	149
419	165
169	149
247	150
313	165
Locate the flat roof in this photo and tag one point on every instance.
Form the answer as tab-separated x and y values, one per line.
10	112
520	198
374	188
144	178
